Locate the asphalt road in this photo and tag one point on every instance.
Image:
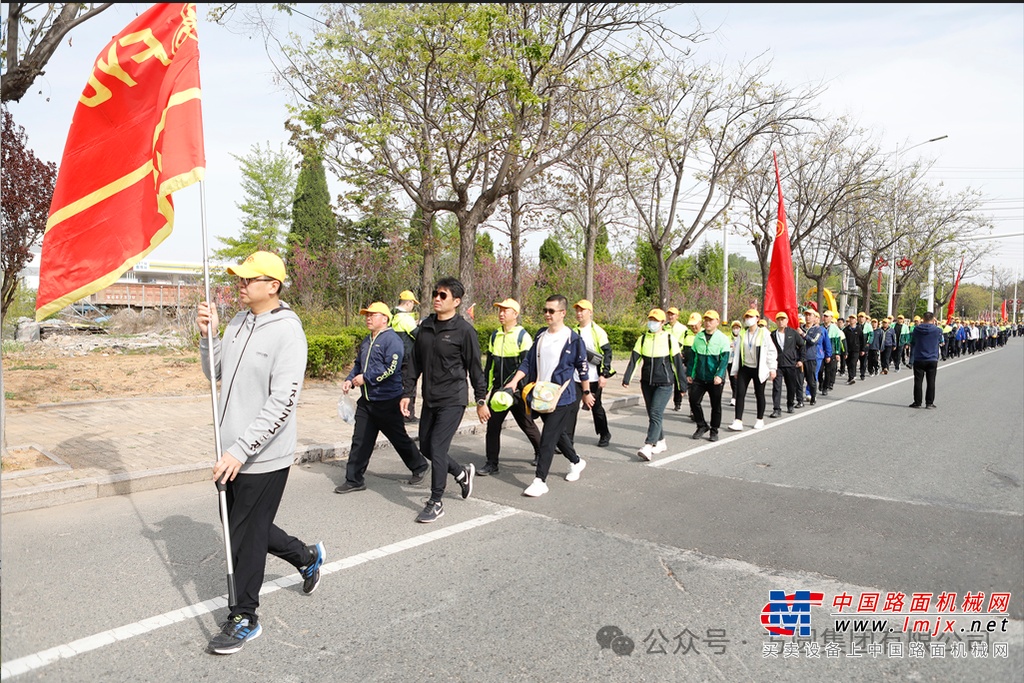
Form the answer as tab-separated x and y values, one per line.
677	558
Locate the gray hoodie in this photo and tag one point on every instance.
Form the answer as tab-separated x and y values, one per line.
260	364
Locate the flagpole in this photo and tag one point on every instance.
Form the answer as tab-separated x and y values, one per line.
222	493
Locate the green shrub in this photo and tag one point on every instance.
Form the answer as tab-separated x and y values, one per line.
329	354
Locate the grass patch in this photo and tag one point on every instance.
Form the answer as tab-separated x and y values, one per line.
27	366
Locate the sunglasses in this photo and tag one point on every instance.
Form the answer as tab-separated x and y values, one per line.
439	295
552	311
246	280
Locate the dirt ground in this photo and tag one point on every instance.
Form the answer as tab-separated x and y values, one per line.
87	368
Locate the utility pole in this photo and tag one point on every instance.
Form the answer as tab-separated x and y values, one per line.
725	269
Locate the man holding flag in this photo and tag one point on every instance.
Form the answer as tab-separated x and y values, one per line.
137	137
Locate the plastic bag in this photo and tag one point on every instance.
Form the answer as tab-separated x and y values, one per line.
346	409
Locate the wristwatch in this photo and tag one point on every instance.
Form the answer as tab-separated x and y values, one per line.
586	392
481	402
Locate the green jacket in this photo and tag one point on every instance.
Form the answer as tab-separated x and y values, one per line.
710	356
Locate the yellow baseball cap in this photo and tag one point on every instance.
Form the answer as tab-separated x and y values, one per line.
694	319
762	323
782	314
376	307
508	303
657	314
712	314
751	313
583	303
673	310
736	323
406	295
260	263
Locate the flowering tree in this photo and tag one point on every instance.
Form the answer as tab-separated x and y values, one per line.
27	190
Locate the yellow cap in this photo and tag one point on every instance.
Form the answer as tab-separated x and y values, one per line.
508	303
694	319
376	307
583	303
657	314
260	263
782	314
406	295
751	313
736	323
712	314
673	310
762	323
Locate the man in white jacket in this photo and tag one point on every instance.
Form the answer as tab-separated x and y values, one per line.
754	359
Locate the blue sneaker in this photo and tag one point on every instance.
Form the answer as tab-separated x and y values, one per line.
234	634
311	572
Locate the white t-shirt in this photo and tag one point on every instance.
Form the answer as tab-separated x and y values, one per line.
549	352
587	333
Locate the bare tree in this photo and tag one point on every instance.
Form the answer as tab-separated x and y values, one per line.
691	133
459	105
40	28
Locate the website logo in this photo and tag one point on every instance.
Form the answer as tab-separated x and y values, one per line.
788	615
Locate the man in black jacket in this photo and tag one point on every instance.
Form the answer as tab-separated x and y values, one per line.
854	347
790	346
446	349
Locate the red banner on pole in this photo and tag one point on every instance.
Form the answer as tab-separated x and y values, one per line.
136	137
780	290
952	297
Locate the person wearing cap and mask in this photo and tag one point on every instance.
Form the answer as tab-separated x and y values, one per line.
737	330
902	332
260	364
377	374
754	359
693	326
506	351
404	323
789	349
599	362
678	330
707	375
661	372
817	350
827	371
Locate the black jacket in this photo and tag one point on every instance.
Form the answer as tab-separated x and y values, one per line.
444	352
792	349
854	339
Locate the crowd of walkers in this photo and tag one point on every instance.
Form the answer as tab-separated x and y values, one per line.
555	375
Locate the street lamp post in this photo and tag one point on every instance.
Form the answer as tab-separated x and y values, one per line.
895	224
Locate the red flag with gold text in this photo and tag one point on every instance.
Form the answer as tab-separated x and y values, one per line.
136	137
780	290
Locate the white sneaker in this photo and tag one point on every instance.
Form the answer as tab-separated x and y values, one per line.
660	447
732	401
759	424
736	426
646	452
574	470
537	488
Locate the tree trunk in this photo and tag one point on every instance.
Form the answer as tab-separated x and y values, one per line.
515	237
663	264
588	256
429	246
467	258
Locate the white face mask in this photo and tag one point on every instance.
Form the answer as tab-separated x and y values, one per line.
653	326
750	322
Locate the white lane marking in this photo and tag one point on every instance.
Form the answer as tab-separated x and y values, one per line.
22	665
803	413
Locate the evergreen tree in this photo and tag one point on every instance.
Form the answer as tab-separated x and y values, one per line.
552	255
268	181
647	275
313	223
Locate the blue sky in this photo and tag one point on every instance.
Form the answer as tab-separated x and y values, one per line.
909	72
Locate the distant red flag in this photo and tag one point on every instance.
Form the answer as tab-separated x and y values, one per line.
1004	311
136	137
780	291
952	297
